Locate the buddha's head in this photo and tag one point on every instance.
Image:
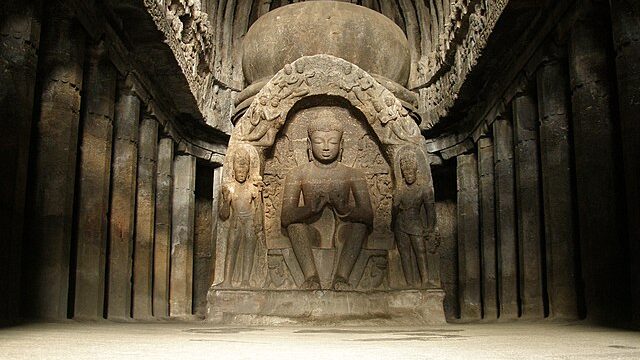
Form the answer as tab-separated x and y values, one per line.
241	165
409	167
325	137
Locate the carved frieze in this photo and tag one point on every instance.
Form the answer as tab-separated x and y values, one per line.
436	98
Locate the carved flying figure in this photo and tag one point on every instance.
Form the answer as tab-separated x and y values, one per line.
262	131
349	80
293	84
398	126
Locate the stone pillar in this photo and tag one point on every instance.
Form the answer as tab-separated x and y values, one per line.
217	181
145	218
525	119
94	184
468	238
180	300
123	201
488	228
54	166
19	42
625	17
203	235
162	244
506	219
446	223
557	192
604	249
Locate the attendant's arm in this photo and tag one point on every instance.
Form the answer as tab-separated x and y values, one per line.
396	203
224	207
428	200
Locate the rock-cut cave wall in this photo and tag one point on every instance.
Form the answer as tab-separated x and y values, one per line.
114	125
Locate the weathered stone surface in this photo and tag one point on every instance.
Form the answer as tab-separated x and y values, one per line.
145	218
468	238
203	238
603	248
488	228
506	226
240	204
303	31
321	165
124	166
19	43
162	243
54	166
625	17
182	233
356	99
323	186
445	78
444	41
447	228
528	210
215	218
94	184
557	191
414	225
282	307
379	131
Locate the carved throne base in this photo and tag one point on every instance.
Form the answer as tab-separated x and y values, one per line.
299	307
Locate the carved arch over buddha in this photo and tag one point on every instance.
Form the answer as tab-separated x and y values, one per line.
326	75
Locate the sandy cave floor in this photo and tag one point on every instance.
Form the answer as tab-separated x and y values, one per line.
201	340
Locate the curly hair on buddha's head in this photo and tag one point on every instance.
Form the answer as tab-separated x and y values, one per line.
324	120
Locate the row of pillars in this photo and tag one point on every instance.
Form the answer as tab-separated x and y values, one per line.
540	212
109	228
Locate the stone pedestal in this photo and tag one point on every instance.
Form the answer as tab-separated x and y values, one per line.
290	307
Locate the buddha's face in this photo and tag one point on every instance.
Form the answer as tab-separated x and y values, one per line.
325	145
241	170
409	172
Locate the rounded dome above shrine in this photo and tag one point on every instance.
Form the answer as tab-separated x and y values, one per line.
357	34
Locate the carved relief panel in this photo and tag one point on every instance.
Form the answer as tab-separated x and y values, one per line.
334	162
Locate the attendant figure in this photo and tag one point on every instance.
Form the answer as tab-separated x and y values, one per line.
240	205
411	202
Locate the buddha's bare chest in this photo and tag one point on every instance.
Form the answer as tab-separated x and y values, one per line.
330	183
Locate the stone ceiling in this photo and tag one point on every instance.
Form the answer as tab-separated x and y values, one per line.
446	40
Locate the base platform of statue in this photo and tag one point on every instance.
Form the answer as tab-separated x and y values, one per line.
299	307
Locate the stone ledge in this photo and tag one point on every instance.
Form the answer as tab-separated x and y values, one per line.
293	307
